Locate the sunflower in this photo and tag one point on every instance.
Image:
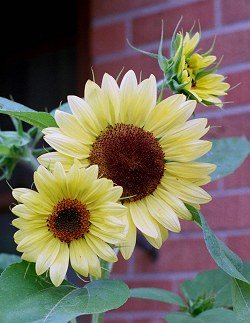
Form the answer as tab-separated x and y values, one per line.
72	216
199	82
147	148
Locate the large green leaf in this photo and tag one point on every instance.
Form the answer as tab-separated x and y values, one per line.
217	315
26	297
241	300
214	284
228	154
225	258
7	259
37	119
157	294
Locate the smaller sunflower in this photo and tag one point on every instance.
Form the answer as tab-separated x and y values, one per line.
197	80
72	216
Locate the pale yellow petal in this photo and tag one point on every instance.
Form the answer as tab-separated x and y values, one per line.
98	101
187	151
83	259
163	213
114	238
185	190
70	126
142	219
23	224
174	202
60	265
128	91
68	146
169	114
46	185
18	192
99	247
190	170
47	256
144	103
162	236
48	160
191	130
112	91
26	213
37	203
78	257
93	260
127	246
84	114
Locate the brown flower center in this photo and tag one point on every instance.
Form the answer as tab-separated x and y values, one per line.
131	157
69	220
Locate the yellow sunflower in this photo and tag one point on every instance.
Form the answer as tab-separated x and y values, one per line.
147	149
201	83
72	216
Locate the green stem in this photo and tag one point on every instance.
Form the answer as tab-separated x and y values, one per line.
33	161
105	274
29	159
97	318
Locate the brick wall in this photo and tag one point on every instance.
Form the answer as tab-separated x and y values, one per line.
139	21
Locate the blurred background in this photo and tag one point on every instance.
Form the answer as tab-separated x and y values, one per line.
48	53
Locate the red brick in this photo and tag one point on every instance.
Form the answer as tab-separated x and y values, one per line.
120	267
240	178
108	39
148	28
152	320
223	213
102	8
136	304
139	63
233	47
240	245
234	11
240	94
120	320
229	126
231	212
176	256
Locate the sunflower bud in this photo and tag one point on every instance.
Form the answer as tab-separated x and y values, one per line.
193	73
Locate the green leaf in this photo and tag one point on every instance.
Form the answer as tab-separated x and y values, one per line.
225	258
4	150
7	259
214	284
12	138
180	317
26	297
37	119
228	154
157	294
218	315
241	300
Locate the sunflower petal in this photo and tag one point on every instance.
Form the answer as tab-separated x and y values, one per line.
60	265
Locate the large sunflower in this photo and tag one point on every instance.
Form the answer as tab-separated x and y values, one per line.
72	215
147	149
